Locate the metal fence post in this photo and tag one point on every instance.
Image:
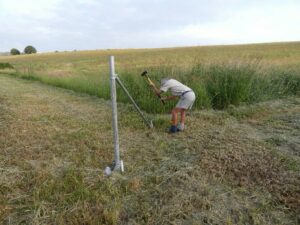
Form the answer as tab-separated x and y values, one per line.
118	164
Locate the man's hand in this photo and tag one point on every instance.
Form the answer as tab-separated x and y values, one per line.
164	98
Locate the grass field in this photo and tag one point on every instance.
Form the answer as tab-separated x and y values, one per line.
219	75
239	165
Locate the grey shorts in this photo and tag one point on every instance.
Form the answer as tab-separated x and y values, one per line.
186	101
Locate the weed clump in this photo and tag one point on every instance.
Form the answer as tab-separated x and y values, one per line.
5	66
229	84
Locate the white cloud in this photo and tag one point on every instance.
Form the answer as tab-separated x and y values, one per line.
208	31
92	24
254	24
29	8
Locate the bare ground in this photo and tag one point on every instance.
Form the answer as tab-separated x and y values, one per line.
240	166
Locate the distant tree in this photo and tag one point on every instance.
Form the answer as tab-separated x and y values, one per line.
14	51
29	50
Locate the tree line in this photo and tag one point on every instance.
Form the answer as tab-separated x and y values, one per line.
28	50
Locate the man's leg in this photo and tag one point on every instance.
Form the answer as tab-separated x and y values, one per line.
180	126
173	127
175	112
183	113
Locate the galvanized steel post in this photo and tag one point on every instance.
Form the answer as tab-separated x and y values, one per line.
113	92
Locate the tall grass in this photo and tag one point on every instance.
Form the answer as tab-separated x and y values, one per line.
219	75
216	85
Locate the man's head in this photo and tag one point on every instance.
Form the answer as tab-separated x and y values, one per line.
163	81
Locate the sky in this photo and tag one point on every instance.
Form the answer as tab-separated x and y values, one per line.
66	25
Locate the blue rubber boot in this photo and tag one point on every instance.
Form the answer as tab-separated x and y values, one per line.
173	129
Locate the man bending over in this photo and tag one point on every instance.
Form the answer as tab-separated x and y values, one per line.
179	91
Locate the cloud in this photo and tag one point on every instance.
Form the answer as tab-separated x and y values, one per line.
29	8
255	24
92	24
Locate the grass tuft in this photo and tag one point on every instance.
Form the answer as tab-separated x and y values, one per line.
5	66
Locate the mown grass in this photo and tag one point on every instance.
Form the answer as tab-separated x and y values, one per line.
219	75
55	144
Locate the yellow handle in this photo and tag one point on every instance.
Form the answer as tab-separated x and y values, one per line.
150	82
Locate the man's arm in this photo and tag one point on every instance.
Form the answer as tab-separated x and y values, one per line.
172	97
155	89
158	92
